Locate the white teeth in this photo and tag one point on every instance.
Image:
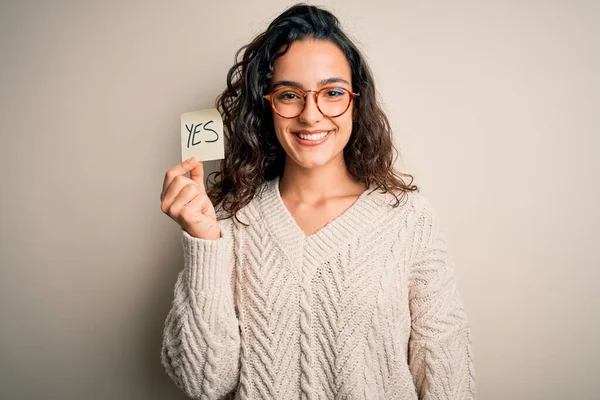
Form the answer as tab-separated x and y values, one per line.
312	136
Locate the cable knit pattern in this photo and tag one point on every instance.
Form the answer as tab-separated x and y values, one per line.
365	308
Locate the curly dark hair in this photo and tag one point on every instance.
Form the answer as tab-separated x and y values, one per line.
254	155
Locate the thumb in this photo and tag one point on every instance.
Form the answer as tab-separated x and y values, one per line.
197	175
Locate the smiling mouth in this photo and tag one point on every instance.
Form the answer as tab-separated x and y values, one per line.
312	136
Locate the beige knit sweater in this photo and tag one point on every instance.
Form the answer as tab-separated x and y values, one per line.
365	308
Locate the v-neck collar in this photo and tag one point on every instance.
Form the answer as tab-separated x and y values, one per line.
354	220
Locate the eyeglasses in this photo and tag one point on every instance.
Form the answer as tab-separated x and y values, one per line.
331	101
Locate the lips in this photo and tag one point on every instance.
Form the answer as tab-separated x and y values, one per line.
311	138
312	133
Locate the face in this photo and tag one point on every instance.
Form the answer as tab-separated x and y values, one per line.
312	65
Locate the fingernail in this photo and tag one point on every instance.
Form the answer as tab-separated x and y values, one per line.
191	160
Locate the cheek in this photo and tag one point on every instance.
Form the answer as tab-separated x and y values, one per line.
280	125
344	124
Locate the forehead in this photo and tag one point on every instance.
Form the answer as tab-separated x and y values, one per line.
310	61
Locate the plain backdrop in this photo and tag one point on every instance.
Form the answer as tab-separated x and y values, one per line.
495	108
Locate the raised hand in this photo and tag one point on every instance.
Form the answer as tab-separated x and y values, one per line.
185	201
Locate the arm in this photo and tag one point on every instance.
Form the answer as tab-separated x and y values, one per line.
440	355
201	340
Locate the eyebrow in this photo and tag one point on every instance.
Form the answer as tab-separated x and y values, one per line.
321	83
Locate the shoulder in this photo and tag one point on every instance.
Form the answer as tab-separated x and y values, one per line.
405	204
420	206
411	213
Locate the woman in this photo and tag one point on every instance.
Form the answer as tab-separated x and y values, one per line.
321	274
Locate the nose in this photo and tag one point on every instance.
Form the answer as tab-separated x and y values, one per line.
310	114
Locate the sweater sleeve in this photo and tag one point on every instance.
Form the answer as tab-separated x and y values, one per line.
201	339
440	355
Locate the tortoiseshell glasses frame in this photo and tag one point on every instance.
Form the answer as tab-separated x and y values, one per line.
335	100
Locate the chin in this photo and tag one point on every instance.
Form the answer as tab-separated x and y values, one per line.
312	162
312	165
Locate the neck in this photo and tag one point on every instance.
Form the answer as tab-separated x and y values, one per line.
311	185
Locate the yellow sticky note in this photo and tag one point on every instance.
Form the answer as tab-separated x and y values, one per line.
202	135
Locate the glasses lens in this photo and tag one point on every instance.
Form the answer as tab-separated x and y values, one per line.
333	101
288	102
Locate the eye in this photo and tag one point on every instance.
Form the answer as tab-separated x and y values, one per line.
334	92
288	95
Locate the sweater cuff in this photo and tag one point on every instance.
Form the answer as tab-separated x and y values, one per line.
206	263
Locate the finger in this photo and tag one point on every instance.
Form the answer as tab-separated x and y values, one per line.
202	203
176	170
197	175
186	195
176	186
